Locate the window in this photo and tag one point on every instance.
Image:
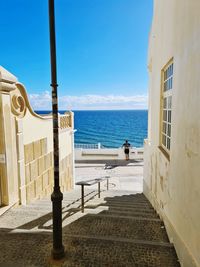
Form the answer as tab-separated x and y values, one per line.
166	106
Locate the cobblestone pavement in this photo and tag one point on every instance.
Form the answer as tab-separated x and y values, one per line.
120	229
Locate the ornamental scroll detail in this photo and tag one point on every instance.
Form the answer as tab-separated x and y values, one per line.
18	104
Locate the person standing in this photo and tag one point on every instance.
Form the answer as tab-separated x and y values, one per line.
126	146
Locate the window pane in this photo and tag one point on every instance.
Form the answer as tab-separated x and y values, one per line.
169	130
169	116
164	127
169	102
165	115
168	143
164	140
165	103
171	67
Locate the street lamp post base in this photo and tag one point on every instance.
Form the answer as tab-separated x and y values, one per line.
58	251
58	254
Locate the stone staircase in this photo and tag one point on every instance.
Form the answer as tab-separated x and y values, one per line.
127	233
118	230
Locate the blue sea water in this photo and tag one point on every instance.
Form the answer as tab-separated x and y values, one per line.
110	128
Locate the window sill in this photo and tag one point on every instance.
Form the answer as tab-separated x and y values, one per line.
164	152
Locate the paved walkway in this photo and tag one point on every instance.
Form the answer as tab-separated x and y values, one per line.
128	176
119	229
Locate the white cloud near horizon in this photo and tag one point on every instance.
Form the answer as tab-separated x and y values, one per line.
89	102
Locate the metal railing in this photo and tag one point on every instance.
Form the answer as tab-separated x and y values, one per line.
89	183
87	146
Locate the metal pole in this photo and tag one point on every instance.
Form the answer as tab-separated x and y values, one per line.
99	190
82	198
57	196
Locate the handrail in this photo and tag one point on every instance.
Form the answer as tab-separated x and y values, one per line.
89	183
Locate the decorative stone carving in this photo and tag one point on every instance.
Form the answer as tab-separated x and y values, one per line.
6	76
18	105
7	81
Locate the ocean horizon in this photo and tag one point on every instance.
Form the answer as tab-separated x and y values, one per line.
109	127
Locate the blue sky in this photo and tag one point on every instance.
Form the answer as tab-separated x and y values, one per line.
101	51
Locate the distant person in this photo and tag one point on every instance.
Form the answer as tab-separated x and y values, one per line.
126	146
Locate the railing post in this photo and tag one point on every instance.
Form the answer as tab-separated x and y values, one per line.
82	198
99	190
107	183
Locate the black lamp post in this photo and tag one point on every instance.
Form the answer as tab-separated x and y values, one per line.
57	196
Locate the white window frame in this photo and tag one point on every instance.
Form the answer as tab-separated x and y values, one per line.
166	106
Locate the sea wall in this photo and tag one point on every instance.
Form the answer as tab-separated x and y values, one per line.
26	147
172	182
106	154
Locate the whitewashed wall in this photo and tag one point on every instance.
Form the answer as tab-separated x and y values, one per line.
173	186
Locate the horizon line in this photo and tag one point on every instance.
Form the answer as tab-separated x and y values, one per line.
93	109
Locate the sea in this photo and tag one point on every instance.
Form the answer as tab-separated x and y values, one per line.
109	127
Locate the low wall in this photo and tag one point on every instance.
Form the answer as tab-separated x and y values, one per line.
103	154
26	146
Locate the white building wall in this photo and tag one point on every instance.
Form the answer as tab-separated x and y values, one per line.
173	186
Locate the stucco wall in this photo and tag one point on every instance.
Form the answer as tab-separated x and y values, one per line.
26	147
173	186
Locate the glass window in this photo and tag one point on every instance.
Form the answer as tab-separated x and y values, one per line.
167	107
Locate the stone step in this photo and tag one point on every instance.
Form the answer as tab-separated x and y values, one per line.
120	193
127	205
123	231
116	208
128	202
130	208
85	251
125	195
120	203
122	216
77	194
126	227
116	212
128	198
47	203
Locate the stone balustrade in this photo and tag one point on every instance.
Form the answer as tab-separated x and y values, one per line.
65	121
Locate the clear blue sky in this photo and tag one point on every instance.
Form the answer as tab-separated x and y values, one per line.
101	50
